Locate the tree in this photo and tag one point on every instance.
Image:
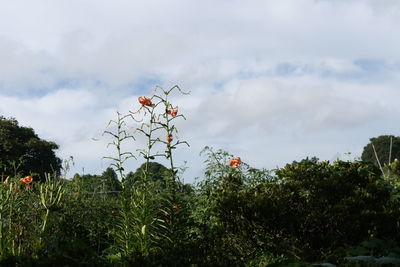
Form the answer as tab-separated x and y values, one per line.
22	152
107	181
382	147
110	180
156	173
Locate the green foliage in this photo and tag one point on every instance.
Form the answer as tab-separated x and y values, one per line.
313	210
107	181
222	235
140	228
8	202
23	152
156	172
307	211
382	147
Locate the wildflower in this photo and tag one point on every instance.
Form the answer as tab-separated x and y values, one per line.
169	138
173	112
175	208
235	162
145	101
27	180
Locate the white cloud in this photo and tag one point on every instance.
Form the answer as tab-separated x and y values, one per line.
124	40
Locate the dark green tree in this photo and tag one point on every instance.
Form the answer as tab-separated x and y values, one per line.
23	152
110	180
156	173
382	147
107	181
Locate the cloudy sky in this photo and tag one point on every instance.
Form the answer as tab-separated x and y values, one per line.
271	81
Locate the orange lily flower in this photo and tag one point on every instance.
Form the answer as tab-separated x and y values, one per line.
26	180
145	101
169	138
173	112
235	162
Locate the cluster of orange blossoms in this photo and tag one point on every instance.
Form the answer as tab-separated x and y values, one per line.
235	162
173	112
145	101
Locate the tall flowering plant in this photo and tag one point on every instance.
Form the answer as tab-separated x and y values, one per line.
146	215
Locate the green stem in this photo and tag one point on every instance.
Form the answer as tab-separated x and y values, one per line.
1	229
119	146
45	219
10	223
169	149
149	145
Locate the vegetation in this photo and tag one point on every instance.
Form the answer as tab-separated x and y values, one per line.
387	149
23	152
304	214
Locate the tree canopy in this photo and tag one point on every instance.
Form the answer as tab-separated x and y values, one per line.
156	173
382	147
22	152
107	181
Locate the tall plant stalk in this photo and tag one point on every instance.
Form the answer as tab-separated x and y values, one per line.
119	136
142	224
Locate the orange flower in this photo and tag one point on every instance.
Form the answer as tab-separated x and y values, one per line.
175	208
169	138
235	162
27	180
145	101
173	112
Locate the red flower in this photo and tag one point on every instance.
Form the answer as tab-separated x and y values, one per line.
235	162
173	112
169	138
27	180
145	101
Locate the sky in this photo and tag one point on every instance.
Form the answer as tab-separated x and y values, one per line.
270	81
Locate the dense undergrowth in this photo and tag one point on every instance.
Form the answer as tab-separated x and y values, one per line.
308	212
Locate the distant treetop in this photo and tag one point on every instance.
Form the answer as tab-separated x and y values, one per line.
382	146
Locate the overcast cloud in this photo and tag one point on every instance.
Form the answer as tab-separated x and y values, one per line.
271	81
